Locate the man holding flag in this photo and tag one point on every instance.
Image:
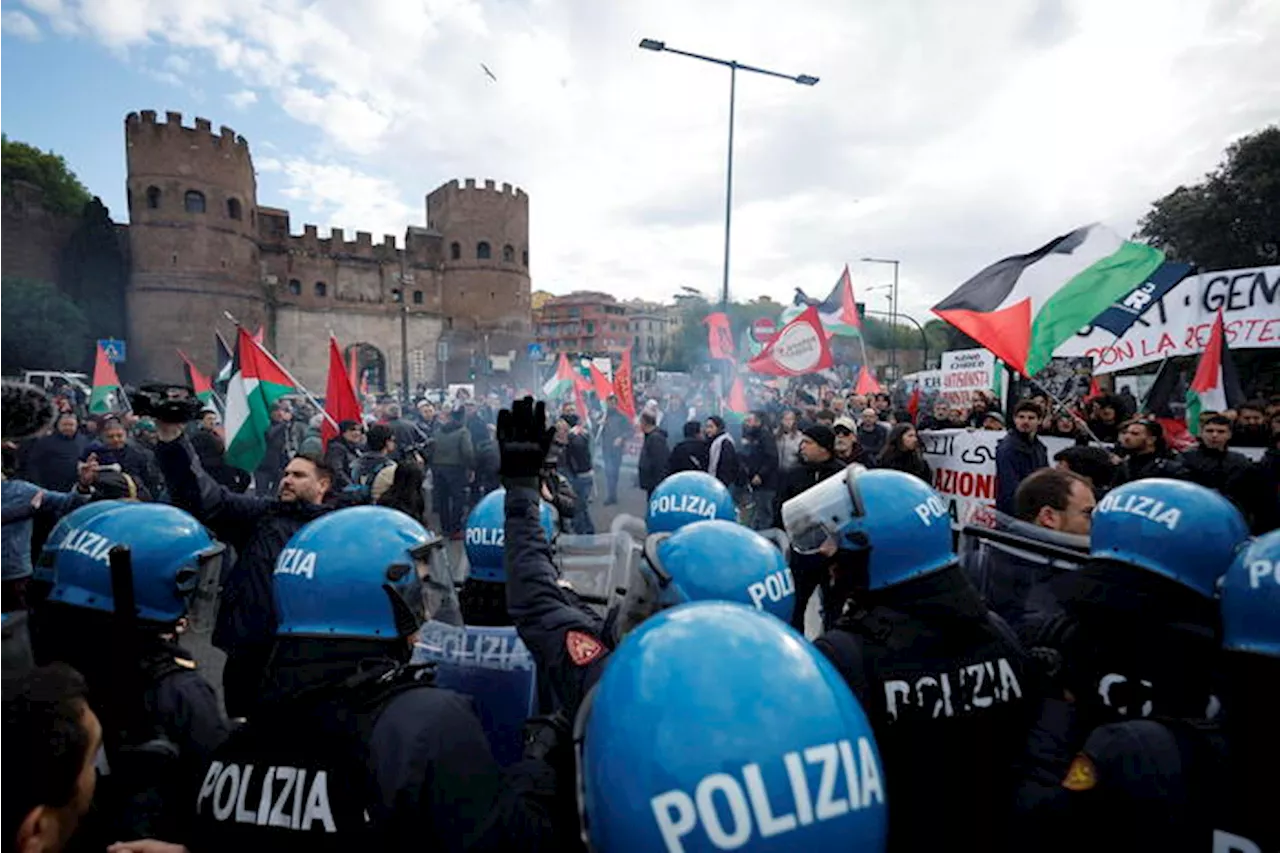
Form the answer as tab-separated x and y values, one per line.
257	527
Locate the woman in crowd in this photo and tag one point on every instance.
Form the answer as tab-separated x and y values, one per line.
902	453
788	441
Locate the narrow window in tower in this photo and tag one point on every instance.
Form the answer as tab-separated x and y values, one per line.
322	289
193	201
395	295
508	254
295	287
129	199
153	198
482	251
455	251
233	208
524	257
417	297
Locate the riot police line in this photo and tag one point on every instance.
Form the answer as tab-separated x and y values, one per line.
645	692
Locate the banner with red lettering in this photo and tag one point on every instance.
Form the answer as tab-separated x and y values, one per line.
719	335
1180	322
965	371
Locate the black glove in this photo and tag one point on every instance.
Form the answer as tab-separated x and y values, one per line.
523	439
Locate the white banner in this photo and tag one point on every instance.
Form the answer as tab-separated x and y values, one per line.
1179	323
964	469
965	371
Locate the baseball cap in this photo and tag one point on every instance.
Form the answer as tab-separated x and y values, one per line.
846	423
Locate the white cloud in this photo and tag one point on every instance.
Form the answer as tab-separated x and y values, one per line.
242	99
15	23
943	134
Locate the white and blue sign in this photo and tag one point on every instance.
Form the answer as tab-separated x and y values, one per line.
535	352
114	349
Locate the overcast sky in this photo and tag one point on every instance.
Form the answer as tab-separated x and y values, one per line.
945	134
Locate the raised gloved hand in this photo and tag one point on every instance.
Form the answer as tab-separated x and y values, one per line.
523	440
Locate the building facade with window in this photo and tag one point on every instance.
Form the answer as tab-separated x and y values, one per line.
200	246
583	322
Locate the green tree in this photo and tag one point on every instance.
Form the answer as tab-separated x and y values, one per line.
40	327
63	192
1230	219
95	273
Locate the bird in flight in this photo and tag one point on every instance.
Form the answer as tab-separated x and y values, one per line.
490	73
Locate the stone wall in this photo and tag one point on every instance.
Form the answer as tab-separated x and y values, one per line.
302	339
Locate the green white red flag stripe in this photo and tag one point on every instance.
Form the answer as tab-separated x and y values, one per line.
257	384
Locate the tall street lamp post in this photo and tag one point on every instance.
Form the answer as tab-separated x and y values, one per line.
733	66
893	313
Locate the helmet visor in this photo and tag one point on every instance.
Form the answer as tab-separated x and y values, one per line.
821	511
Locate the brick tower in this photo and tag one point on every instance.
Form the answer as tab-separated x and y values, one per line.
485	242
192	232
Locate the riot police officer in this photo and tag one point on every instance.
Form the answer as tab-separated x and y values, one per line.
686	497
683	745
941	677
1137	631
352	749
160	718
483	598
1189	784
705	560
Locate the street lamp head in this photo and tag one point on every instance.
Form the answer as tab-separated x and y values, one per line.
807	80
653	44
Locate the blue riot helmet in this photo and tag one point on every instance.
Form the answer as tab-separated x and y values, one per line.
359	573
1183	531
170	550
43	569
1251	598
896	520
682	745
686	497
484	536
719	561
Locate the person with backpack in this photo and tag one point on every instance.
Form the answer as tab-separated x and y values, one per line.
373	470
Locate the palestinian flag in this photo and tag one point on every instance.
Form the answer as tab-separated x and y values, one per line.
197	380
257	384
1023	307
838	312
735	409
226	359
563	382
106	395
1215	387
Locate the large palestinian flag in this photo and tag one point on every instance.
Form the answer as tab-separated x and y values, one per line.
107	394
257	384
1024	307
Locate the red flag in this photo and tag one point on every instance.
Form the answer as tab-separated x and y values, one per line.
867	383
600	384
257	336
340	402
1095	390
798	349
622	386
197	380
913	403
106	394
354	370
737	397
719	335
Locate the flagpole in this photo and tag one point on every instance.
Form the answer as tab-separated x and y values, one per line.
310	398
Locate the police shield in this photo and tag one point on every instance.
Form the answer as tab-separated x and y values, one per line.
493	667
202	613
597	566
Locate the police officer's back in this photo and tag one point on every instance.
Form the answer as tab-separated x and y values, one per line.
350	749
1190	784
160	717
941	678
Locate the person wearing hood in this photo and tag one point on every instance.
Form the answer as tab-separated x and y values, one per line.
652	467
1052	507
452	460
722	456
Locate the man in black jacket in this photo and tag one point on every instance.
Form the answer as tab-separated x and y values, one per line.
576	463
343	451
1228	473
258	528
810	571
691	453
1147	455
758	463
653	454
1019	453
52	461
613	440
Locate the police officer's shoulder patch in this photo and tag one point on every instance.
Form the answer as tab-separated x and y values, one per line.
185	663
583	648
1081	775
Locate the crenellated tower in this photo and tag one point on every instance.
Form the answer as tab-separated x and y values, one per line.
484	234
193	227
